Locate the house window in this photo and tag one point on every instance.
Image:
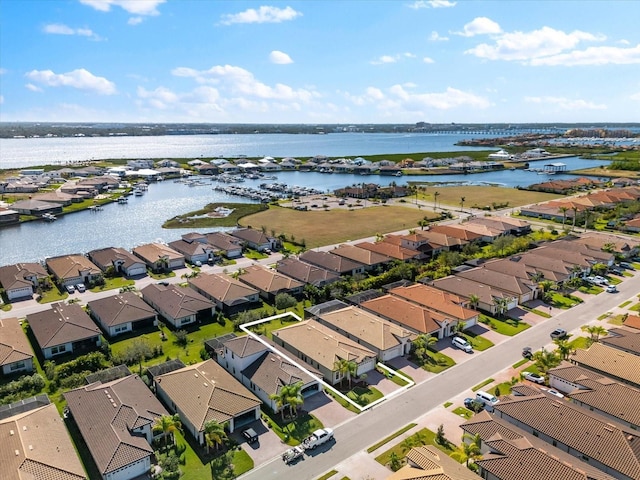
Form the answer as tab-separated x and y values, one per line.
59	349
17	366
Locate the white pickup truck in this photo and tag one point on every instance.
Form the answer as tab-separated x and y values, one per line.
318	437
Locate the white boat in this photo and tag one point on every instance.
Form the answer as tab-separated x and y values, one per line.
49	217
122	200
138	193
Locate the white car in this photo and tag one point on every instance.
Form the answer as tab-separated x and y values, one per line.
533	377
462	344
555	393
611	289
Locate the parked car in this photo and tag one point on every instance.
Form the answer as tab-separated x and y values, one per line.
462	344
611	289
527	353
533	377
250	434
558	333
81	288
627	265
616	271
70	289
556	393
601	280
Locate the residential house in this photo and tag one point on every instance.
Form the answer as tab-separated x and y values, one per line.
269	282
488	233
178	305
21	279
195	251
332	262
229	295
624	246
159	257
73	269
632	321
36	445
632	225
448	304
229	246
322	348
64	328
206	392
429	244
456	231
255	239
519	266
623	339
8	217
429	463
122	261
265	370
417	318
116	422
16	354
306	273
390	250
489	298
388	340
37	208
370	259
508	225
611	362
122	313
522	289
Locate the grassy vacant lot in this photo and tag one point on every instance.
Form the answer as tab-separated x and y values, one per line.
335	226
481	196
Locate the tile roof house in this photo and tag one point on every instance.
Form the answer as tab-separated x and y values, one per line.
417	318
576	430
508	225
230	246
306	273
388	340
624	246
73	269
121	260
623	339
609	361
269	282
368	258
64	328
254	239
159	257
20	280
178	305
390	250
36	445
632	321
545	268
36	207
116	422
122	313
195	251
205	391
334	263
322	347
465	288
230	295
265	369
520	288
16	354
457	231
429	463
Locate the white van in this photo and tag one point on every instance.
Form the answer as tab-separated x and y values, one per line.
487	400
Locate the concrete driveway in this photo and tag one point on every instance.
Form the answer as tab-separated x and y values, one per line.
268	445
327	410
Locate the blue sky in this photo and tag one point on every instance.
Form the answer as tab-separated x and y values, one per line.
438	61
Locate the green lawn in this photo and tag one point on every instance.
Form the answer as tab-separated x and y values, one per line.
294	431
266	328
254	255
423	437
437	362
592	289
382	442
364	395
520	363
113	283
580	342
506	326
560	300
482	384
53	295
617	320
160	276
328	475
635	308
478	342
624	304
463	412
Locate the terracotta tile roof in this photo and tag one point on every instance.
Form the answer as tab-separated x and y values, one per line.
14	345
389	250
329	261
70	266
436	299
106	414
122	308
322	344
15	276
416	317
268	280
623	339
609	361
223	288
457	231
305	272
578	428
206	391
62	323
368	327
429	463
361	255
632	321
176	301
105	257
152	252
36	445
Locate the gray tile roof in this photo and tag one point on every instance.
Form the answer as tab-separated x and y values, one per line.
14	276
176	301
62	323
122	308
223	288
14	345
305	272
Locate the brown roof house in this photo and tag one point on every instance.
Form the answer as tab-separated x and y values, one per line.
370	259
269	282
387	339
322	347
159	257
488	296
306	273
632	321
229	246
36	446
265	369
121	260
20	280
429	463
64	328
122	313
203	392
16	354
524	289
255	239
390	250
195	251
116	422
73	269
609	361
334	263
624	339
178	305
230	295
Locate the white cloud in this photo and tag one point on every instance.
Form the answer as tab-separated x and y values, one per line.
135	7
480	26
530	45
61	29
592	56
279	58
635	96
451	98
264	14
566	103
33	88
391	58
435	37
135	21
428	60
81	79
418	4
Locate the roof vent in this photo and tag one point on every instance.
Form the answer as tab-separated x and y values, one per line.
30	447
17	452
24	428
11	432
195	375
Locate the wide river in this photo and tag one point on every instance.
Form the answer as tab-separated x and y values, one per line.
140	221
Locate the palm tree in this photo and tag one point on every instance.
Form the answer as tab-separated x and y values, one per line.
280	397
214	434
470	447
436	194
546	286
167	425
346	368
474	300
294	397
501	305
595	331
462	200
575	215
421	344
563	347
546	360
563	210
